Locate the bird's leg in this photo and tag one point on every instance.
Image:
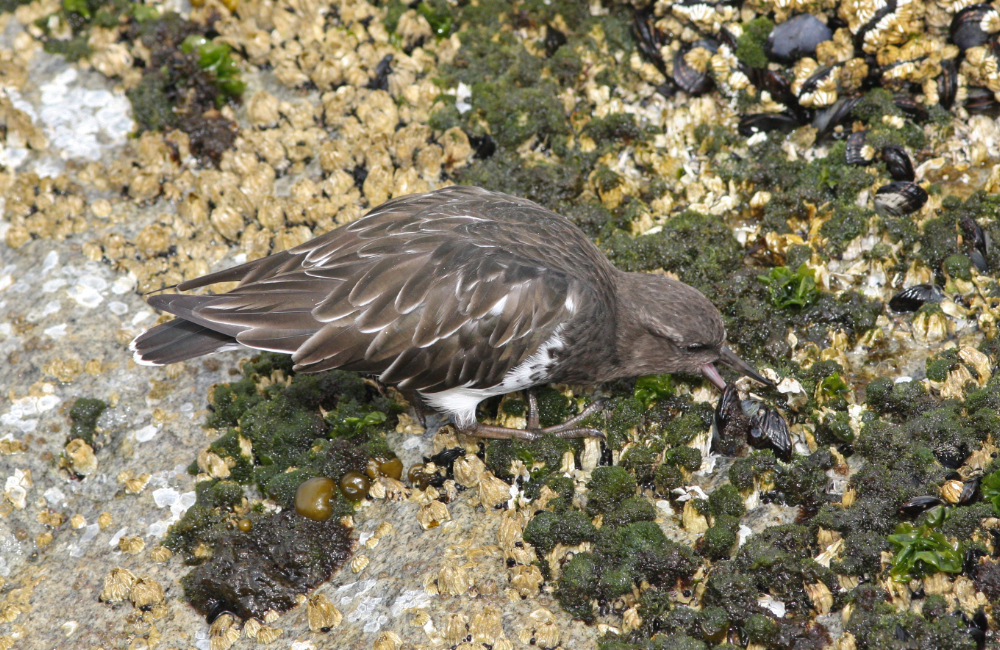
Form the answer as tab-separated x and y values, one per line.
532	415
568	429
479	430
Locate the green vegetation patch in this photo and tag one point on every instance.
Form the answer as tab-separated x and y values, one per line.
276	434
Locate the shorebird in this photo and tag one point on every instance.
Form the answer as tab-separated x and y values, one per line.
459	294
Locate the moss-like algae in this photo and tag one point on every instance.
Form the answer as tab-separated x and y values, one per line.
276	435
84	415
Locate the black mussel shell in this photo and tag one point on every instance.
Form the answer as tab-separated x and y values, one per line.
796	38
689	79
774	83
913	298
767	122
731	424
981	101
899	198
916	505
897	162
382	71
970	492
975	239
966	27
768	430
484	146
554	39
947	84
728	39
446	457
810	84
648	38
856	151
910	107
978	626
826	120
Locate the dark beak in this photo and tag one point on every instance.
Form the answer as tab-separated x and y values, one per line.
729	358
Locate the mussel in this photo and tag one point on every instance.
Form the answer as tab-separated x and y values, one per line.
732	426
976	241
981	101
910	107
767	122
554	39
916	505
970	492
857	151
966	27
899	198
897	162
913	298
691	80
768	430
648	38
382	71
796	38
826	120
947	83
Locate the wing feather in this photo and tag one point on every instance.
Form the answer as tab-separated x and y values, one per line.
450	288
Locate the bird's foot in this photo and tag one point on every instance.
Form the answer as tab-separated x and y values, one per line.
568	429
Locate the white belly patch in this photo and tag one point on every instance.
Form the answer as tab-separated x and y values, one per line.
460	402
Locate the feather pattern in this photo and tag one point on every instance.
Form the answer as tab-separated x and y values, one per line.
453	288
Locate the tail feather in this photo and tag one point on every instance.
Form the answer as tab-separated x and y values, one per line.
178	340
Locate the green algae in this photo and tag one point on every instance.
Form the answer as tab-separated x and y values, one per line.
750	44
276	434
789	288
83	416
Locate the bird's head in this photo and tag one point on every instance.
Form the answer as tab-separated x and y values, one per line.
675	328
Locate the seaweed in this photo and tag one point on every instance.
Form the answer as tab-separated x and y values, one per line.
84	415
273	439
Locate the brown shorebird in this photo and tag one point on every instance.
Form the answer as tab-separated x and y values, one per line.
458	294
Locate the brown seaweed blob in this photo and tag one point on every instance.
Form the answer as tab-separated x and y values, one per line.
313	498
354	486
250	573
390	467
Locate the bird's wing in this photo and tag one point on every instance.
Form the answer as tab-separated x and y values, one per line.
408	292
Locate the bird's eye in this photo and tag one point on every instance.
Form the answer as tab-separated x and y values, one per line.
696	347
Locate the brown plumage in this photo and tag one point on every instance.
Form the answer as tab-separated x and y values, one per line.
459	294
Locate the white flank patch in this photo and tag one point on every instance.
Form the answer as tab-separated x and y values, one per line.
460	402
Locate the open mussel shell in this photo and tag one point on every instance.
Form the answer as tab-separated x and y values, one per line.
767	122
858	152
899	198
976	241
731	424
768	430
796	38
917	505
966	27
690	80
897	162
913	298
